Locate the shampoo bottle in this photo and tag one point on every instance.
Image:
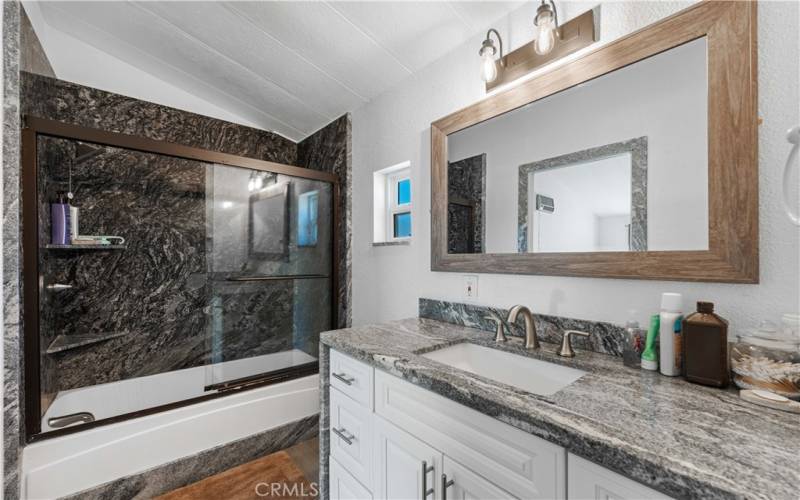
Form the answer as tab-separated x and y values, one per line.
670	334
59	221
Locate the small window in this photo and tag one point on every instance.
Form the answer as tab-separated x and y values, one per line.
393	204
307	219
402	225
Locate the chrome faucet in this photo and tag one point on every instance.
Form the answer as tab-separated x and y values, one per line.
531	340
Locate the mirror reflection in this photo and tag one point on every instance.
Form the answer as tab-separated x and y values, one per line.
615	164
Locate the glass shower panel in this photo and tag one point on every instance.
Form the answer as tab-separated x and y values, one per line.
179	279
271	268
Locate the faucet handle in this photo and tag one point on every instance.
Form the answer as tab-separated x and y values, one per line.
566	344
500	334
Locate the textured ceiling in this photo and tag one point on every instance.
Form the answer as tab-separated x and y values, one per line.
291	67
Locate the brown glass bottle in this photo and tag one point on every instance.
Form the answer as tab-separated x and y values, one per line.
705	344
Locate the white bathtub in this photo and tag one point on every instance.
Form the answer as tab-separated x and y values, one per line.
65	465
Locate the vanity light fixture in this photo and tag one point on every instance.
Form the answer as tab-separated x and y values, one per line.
552	41
546	21
487	53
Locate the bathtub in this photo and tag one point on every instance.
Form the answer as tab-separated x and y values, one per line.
68	464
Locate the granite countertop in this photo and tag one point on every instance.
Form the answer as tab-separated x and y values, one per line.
685	440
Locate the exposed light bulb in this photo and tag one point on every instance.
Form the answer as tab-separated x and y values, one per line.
546	23
259	183
251	185
488	67
545	40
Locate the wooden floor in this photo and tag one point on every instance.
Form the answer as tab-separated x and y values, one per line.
285	475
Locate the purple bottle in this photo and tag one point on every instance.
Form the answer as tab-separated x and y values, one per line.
59	221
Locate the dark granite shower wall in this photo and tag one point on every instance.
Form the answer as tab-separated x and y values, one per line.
72	103
154	291
329	150
466	215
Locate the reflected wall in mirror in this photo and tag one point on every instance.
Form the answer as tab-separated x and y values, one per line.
615	164
638	160
593	200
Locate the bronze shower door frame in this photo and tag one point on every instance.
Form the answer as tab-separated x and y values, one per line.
31	284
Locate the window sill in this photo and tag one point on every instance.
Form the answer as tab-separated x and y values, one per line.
391	243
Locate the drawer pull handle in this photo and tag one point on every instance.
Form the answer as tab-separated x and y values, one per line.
342	433
425	470
344	378
446	484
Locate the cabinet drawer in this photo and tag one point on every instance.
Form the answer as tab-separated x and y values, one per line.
351	437
524	465
352	377
343	486
589	481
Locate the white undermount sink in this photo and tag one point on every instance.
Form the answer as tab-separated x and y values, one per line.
528	374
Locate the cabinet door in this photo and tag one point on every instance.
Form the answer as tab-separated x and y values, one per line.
343	486
399	459
589	481
467	485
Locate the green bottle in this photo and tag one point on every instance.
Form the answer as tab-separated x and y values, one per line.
649	355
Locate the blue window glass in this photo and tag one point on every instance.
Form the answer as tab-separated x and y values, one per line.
307	219
404	192
402	225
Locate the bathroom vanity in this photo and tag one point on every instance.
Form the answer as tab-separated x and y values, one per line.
405	419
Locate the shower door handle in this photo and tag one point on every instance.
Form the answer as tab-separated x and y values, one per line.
344	378
344	435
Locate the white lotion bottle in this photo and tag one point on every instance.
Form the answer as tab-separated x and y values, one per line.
669	334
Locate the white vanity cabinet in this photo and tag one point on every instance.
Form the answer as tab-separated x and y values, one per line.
393	440
589	481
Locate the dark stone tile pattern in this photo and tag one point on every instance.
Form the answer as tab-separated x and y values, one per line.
72	103
12	346
685	440
604	337
637	147
157	290
33	58
466	214
188	470
330	150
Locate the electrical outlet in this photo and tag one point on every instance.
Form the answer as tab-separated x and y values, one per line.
470	287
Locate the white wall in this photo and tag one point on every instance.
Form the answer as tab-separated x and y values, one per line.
387	281
663	98
584	196
76	61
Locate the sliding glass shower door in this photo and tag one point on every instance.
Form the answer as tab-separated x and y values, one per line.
174	278
269	248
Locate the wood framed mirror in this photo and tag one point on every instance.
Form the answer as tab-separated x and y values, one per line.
636	160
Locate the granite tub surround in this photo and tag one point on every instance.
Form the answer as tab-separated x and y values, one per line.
685	440
605	338
191	469
329	150
13	427
68	102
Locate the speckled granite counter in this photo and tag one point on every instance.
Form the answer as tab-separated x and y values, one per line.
683	439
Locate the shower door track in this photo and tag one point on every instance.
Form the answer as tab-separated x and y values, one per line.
33	127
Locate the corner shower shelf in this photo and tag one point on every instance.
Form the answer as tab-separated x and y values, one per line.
67	342
86	247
